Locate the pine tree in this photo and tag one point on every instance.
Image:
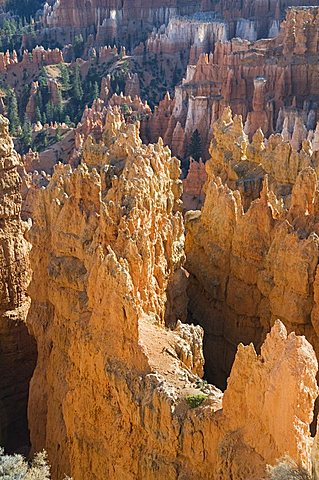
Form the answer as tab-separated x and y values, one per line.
77	89
38	116
43	78
96	91
195	147
24	7
58	134
13	113
64	77
59	110
45	141
68	121
78	45
27	133
39	100
49	112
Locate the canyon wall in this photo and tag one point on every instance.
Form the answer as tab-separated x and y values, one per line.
252	255
107	20
187	37
126	21
272	83
17	348
112	391
242	164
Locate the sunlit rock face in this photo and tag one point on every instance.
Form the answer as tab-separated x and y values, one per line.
130	22
252	252
107	20
271	83
112	392
17	348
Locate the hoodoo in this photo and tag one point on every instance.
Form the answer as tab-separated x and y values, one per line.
17	347
108	245
159	239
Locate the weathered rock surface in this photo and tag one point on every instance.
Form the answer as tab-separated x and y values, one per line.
249	268
17	349
108	396
267	81
34	60
243	164
193	186
112	19
187	36
129	22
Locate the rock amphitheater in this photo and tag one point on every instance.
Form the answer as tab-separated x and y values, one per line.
156	325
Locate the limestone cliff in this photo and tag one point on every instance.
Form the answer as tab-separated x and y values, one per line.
17	350
111	393
107	19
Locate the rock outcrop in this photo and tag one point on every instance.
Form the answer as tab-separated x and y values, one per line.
249	268
107	19
267	81
243	164
33	60
193	186
17	348
189	37
112	390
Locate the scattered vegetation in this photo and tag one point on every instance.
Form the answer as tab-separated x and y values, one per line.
16	467
287	469
201	384
119	77
24	8
195	400
12	31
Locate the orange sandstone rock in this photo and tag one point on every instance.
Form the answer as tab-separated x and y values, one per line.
248	269
109	396
193	186
17	352
257	79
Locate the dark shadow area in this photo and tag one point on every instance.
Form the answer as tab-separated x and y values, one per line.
313	426
18	355
223	331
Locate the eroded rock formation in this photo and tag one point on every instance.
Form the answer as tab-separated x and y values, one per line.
248	269
266	81
193	186
17	348
243	164
109	396
107	19
35	59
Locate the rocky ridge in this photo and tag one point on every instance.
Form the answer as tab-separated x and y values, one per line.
118	389
107	20
107	248
272	83
243	164
17	347
252	261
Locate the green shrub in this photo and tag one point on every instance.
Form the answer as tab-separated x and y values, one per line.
195	400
